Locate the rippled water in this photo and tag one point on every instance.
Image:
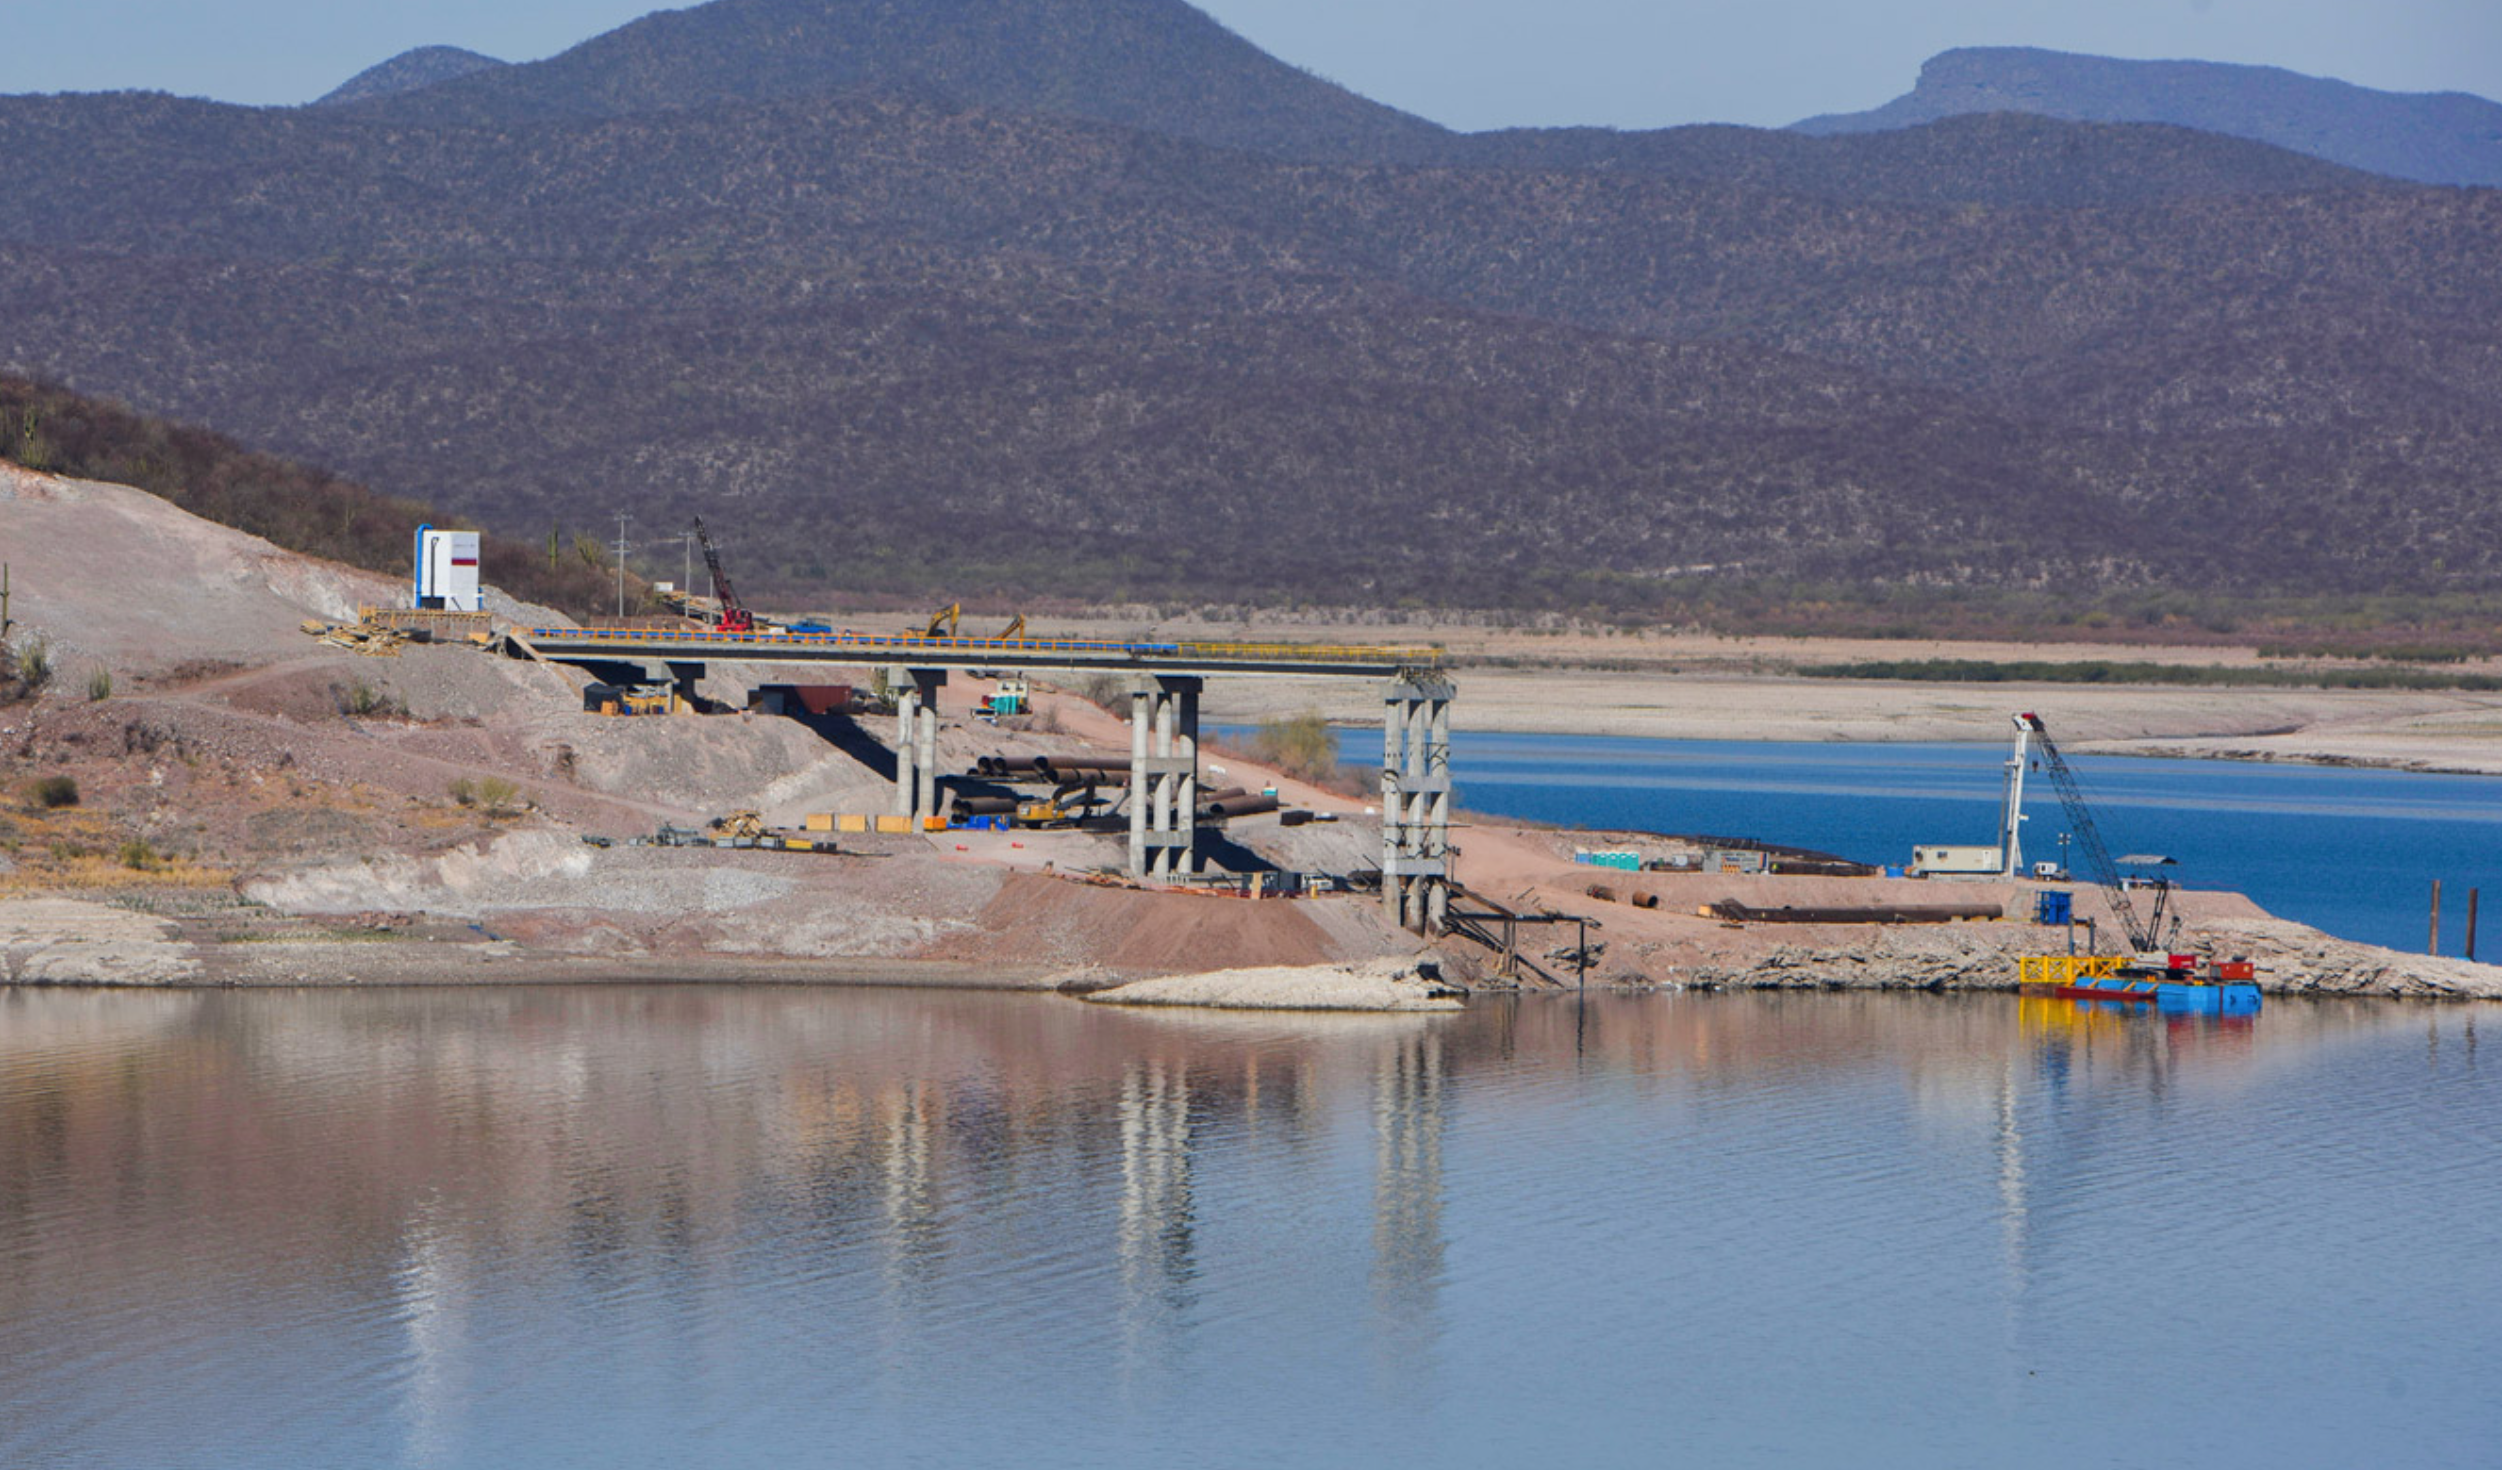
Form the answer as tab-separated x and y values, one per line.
694	1226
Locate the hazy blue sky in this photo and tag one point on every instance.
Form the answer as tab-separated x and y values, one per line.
1468	63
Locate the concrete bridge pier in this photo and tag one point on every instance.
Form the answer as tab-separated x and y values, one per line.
916	745
1416	802
1164	777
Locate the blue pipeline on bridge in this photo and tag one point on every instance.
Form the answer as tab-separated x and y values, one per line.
695	644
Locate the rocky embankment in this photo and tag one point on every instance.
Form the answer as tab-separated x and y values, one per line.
2292	960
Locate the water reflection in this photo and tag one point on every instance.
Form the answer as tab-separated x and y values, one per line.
1155	1220
1407	1192
556	1224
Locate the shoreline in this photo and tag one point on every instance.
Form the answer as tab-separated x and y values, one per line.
53	942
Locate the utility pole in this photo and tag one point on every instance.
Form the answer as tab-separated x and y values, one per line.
686	581
622	518
5	624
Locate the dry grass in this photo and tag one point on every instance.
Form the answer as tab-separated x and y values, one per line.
82	850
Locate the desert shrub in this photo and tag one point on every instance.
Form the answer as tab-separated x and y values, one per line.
139	856
100	685
34	665
53	791
360	700
498	796
1105	691
463	790
1302	746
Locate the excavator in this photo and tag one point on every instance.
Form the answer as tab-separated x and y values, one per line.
949	621
2156	970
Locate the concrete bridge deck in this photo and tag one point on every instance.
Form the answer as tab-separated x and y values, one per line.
705	645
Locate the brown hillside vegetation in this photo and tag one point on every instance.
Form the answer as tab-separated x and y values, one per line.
968	340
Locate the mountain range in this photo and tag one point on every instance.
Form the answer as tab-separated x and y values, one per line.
1099	300
2433	138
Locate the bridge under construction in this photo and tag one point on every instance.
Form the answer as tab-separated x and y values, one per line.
1164	681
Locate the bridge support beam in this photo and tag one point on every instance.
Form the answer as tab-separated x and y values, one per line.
1164	778
1416	802
916	745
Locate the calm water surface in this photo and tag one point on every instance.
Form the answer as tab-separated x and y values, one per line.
717	1226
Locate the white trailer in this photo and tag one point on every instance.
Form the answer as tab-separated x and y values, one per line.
447	571
1958	862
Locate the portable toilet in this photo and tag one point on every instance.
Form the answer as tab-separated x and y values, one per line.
2054	907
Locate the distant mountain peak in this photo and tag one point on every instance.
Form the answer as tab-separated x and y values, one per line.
410	71
2429	137
1157	65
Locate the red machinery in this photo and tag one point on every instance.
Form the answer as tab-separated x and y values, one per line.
733	616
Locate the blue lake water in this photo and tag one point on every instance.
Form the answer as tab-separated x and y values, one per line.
723	1225
2353	852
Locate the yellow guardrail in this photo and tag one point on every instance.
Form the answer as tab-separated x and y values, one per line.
2066	969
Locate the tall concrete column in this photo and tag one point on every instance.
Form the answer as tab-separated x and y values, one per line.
1141	715
1186	778
1393	802
1416	802
1164	777
907	749
927	683
1438	815
1160	814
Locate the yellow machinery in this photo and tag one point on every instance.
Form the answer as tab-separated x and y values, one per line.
945	624
2066	969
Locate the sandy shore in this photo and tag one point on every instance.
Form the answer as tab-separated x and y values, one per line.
1698	686
1379	985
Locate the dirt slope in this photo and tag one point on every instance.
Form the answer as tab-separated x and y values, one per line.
118	578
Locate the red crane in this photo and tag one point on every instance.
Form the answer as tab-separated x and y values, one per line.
733	616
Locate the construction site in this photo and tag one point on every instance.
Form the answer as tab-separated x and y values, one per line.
343	778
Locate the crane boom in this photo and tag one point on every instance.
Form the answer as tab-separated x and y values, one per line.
734	616
2143	934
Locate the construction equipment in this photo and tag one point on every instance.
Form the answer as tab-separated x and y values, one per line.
2156	971
944	625
738	830
1012	697
1014	630
732	616
739	824
2146	934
